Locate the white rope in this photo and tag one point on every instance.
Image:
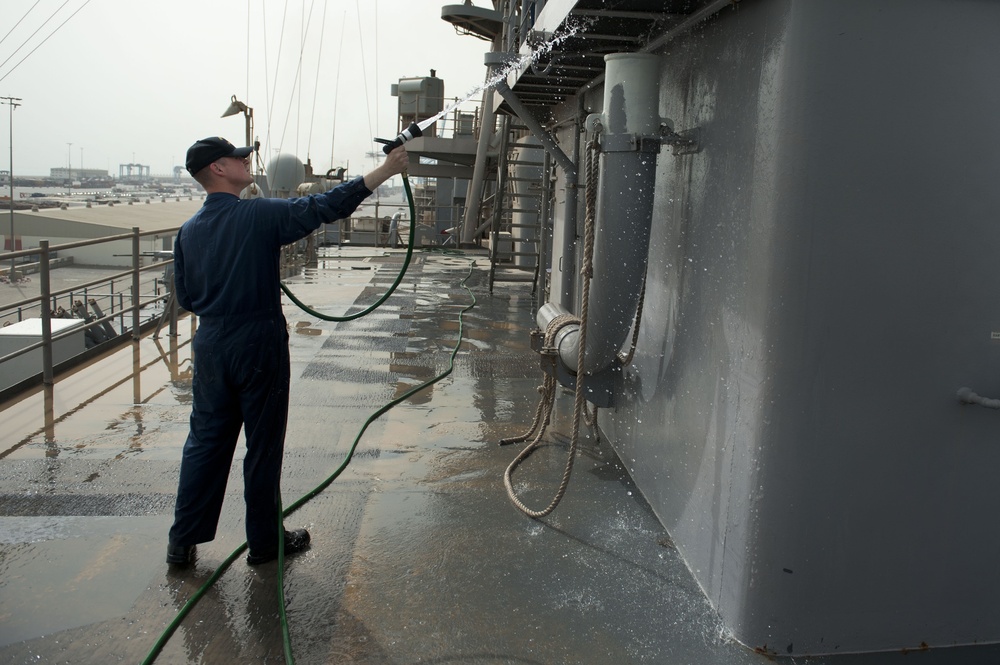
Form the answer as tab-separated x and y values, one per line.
544	410
966	396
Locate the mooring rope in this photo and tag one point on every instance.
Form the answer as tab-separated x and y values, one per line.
543	412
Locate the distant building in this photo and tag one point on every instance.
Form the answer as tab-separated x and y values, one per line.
63	173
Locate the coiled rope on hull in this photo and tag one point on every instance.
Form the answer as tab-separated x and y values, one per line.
543	412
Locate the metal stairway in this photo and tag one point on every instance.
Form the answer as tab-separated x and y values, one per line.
514	207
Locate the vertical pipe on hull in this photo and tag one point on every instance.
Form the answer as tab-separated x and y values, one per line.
630	141
629	145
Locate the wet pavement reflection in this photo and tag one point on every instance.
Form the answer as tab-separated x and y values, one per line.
417	553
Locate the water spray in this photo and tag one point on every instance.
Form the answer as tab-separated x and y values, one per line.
513	62
412	131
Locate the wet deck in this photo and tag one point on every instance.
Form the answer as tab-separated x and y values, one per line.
417	555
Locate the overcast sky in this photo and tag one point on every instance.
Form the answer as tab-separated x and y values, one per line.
138	81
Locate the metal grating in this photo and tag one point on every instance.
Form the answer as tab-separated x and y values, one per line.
582	33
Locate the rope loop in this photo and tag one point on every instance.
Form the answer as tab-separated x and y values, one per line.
545	403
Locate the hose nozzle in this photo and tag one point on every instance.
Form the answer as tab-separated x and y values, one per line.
411	132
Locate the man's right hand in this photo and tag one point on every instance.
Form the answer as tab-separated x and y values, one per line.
395	162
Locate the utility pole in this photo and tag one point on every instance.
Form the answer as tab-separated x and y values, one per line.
69	165
12	102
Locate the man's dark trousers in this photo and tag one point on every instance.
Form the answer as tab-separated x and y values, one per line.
241	377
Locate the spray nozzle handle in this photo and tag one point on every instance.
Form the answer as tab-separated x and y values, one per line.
410	132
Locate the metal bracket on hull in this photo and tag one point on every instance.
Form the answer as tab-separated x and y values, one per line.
629	143
687	142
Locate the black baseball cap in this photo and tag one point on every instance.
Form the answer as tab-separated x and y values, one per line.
206	151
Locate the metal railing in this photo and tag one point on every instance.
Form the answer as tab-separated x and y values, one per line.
48	301
463	119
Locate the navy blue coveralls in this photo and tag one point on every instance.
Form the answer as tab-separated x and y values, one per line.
226	270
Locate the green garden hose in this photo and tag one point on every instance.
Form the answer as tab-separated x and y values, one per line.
286	638
399	278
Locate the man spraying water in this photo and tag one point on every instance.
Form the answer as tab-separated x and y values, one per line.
226	270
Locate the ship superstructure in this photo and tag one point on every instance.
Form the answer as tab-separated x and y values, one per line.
790	318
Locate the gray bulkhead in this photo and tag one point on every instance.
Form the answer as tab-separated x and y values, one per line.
821	281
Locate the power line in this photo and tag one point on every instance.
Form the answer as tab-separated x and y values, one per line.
364	72
52	16
319	64
44	40
296	88
336	90
19	22
270	102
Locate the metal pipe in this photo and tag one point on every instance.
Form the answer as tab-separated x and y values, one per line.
535	127
12	274
469	230
568	294
498	196
526	169
172	303
630	125
46	311
12	103
567	340
629	147
570	170
135	283
544	224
